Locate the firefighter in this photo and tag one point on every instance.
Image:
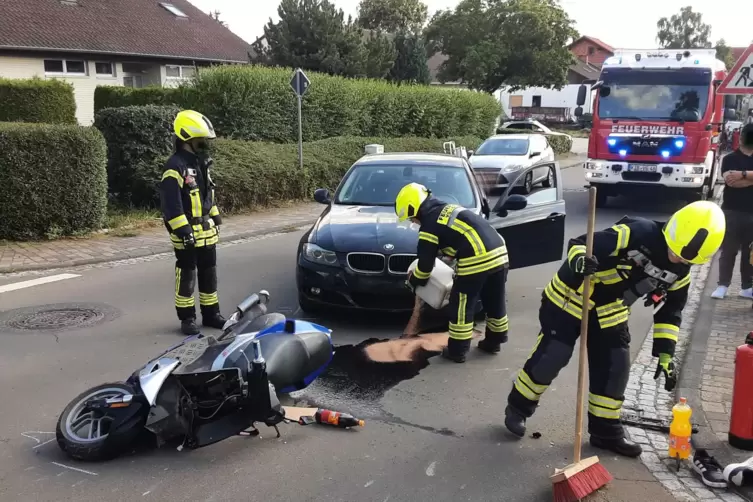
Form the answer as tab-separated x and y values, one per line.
636	258
482	265
192	220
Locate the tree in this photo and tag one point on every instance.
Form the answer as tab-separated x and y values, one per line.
685	30
313	35
495	43
378	54
411	62
392	15
724	53
216	16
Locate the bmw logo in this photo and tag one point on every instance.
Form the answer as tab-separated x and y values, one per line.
389	247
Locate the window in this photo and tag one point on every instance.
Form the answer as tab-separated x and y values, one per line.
173	9
134	81
173	71
536	101
105	69
502	146
65	67
181	72
591	50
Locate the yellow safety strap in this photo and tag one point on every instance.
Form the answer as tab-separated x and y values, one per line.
172	173
426	236
195	196
474	260
611	276
449	251
574	251
421	275
623	237
527	387
680	283
461	330
483	267
208	298
497	325
666	331
604	407
471	235
178	222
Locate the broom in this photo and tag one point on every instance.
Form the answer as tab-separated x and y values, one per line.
583	476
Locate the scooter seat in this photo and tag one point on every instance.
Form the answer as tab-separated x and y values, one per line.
293	360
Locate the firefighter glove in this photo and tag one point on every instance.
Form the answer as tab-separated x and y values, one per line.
414	282
585	265
667	366
189	241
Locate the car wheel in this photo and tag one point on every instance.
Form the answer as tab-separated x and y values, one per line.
549	181
528	183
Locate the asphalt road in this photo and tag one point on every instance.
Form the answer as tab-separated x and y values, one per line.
436	436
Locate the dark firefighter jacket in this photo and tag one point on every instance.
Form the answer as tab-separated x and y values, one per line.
633	264
460	233
187	199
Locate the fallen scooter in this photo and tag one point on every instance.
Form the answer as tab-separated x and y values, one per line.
203	390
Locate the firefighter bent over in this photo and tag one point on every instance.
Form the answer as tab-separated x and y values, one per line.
482	264
634	259
193	221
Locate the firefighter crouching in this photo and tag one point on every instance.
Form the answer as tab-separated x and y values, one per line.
193	221
634	259
482	265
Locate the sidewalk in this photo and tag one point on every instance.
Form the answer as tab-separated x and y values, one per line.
22	256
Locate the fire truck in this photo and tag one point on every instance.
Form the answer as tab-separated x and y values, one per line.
657	117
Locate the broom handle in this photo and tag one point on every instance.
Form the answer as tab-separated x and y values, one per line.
583	355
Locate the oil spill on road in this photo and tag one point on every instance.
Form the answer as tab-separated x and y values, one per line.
360	375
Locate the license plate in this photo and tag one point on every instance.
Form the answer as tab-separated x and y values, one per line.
641	168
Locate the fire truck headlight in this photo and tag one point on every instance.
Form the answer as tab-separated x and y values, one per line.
694	169
594	165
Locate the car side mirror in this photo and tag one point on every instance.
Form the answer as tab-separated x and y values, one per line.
321	195
582	91
470	152
534	154
514	202
579	112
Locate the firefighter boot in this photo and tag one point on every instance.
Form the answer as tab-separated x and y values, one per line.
492	342
456	350
515	422
620	446
189	327
213	320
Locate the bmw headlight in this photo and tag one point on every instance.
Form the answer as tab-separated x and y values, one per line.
316	254
512	169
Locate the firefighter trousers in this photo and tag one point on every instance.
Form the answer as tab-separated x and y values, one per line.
466	291
188	262
608	367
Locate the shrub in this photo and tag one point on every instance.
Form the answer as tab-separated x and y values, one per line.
256	103
136	136
37	100
54	177
560	144
254	174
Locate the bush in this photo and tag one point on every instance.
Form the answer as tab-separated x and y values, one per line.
560	144
256	103
136	136
37	100
254	174
54	178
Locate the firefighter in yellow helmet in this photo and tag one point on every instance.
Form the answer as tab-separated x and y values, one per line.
632	260
482	265
192	220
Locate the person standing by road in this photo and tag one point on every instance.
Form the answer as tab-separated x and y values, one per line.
192	220
482	265
737	169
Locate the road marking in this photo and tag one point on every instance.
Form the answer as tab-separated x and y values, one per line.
74	468
42	444
431	469
36	282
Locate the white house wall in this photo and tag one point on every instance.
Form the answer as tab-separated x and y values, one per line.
564	98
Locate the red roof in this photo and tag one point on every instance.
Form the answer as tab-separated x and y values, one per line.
122	27
596	41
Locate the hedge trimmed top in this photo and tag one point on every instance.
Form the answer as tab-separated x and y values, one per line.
257	103
37	100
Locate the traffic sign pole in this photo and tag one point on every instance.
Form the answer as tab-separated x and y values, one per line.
300	132
300	84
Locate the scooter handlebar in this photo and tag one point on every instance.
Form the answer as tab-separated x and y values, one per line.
262	297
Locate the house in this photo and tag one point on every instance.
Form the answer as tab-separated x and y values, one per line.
133	43
591	50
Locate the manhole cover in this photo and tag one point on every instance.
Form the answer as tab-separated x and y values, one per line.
56	317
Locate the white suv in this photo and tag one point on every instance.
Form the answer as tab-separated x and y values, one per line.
500	158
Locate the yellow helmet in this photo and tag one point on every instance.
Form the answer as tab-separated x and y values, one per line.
409	200
190	124
695	232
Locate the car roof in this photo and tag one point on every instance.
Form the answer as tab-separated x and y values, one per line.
405	159
512	136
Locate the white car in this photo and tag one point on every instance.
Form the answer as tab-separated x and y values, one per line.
532	125
500	159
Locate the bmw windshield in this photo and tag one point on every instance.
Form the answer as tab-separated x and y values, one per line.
378	184
654	94
503	146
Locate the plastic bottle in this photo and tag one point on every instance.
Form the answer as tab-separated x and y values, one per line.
342	420
680	430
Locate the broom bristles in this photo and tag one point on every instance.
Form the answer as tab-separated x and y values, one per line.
581	484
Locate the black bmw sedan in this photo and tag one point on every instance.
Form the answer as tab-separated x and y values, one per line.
357	254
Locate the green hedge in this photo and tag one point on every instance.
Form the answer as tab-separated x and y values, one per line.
256	103
54	180
254	174
560	144
136	136
37	100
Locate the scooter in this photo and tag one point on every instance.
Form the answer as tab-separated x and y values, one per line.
203	390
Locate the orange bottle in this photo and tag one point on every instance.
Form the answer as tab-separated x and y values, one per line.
680	430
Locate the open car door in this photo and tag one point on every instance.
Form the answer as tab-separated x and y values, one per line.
533	225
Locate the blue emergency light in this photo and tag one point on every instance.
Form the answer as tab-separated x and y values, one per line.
623	152
665	154
612	141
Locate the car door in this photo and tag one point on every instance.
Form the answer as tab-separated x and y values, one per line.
539	145
534	234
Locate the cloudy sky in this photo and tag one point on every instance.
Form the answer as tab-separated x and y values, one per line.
620	23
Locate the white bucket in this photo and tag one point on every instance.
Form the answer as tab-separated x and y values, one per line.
436	292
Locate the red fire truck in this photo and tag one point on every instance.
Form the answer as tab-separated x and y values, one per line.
656	121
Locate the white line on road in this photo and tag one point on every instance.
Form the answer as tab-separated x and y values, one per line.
42	444
74	468
36	282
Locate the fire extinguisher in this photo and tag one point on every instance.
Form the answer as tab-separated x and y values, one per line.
735	139
741	421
